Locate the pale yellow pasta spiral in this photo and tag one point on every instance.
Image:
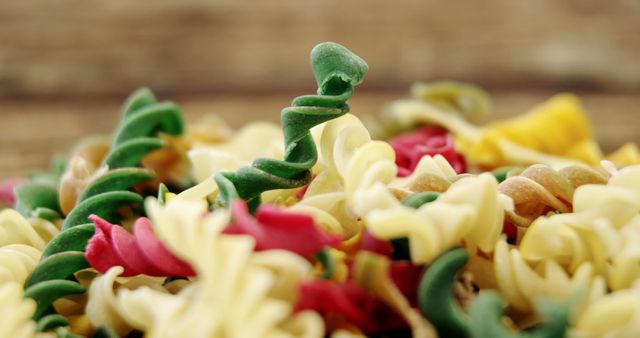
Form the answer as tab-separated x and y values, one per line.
470	213
540	189
616	315
21	244
523	285
15	229
352	160
431	174
16	312
17	261
102	307
604	229
234	286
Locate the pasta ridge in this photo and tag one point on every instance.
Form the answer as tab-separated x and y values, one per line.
604	229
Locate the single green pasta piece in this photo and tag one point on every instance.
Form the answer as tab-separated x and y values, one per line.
337	71
435	295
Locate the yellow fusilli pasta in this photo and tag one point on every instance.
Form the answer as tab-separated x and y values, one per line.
102	308
352	161
604	229
470	213
523	285
21	244
615	315
15	229
16	312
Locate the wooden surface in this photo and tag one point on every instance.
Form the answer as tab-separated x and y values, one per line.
34	130
83	48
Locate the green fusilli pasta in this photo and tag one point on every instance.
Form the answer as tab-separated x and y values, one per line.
337	71
104	196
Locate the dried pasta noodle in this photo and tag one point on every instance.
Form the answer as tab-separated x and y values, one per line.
21	245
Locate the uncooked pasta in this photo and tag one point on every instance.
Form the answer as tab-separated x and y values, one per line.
424	224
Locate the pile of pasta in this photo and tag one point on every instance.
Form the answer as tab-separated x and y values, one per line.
420	224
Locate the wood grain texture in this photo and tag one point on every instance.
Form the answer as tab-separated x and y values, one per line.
77	48
32	131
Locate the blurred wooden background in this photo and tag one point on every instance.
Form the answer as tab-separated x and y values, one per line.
66	65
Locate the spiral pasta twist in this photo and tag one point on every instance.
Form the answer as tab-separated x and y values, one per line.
604	229
615	315
102	307
136	136
523	286
353	157
16	312
21	245
469	212
432	174
63	255
485	318
15	229
353	161
337	71
539	189
17	261
104	196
